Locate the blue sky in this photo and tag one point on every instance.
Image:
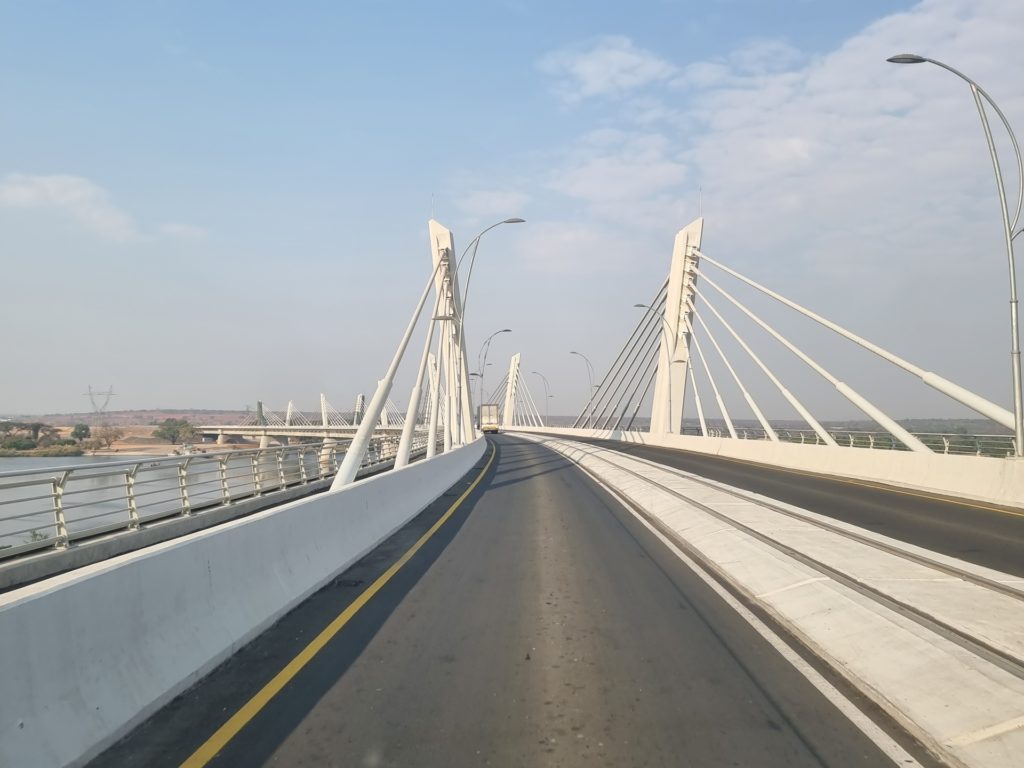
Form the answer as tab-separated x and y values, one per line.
209	203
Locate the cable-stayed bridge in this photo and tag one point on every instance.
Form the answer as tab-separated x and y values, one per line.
663	583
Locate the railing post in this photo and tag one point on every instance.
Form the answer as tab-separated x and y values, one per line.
302	465
280	467
60	524
133	505
254	458
223	468
871	441
186	507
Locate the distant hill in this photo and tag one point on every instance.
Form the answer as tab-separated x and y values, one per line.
139	417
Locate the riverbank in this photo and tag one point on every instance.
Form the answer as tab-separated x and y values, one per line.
53	450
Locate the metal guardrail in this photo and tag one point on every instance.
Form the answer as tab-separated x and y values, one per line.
52	507
951	443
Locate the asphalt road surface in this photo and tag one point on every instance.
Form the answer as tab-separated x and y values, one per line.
978	533
542	625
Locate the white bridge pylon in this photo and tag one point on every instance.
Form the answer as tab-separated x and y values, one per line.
677	325
445	375
519	408
674	348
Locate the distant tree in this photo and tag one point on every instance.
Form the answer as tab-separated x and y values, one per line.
18	443
80	432
48	436
108	435
175	431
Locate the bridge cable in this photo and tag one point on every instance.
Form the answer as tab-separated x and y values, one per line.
496	390
639	330
536	411
711	379
952	390
769	432
633	355
623	377
647	358
649	372
643	395
696	400
632	358
848	392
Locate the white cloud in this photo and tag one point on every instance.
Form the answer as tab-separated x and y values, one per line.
559	247
183	231
858	186
77	198
623	176
481	204
613	167
608	66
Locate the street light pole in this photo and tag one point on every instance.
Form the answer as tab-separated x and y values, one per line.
590	379
484	349
1008	226
671	355
474	244
547	397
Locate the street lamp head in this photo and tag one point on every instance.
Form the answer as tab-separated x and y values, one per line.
907	58
505	330
514	221
641	306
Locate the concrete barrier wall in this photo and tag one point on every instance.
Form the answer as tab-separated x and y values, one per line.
87	655
980	478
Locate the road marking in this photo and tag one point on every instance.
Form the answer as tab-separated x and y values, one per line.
251	708
797	585
834	478
987	733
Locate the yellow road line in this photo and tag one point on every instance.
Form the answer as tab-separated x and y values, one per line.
848	481
251	708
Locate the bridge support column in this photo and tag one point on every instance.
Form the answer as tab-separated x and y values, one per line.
674	351
435	402
361	440
508	416
325	456
264	440
222	439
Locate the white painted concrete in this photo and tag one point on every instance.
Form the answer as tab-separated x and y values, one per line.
980	478
962	705
87	655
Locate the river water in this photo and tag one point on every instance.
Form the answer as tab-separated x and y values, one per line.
95	496
26	463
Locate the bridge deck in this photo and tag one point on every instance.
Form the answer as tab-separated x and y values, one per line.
541	625
982	534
